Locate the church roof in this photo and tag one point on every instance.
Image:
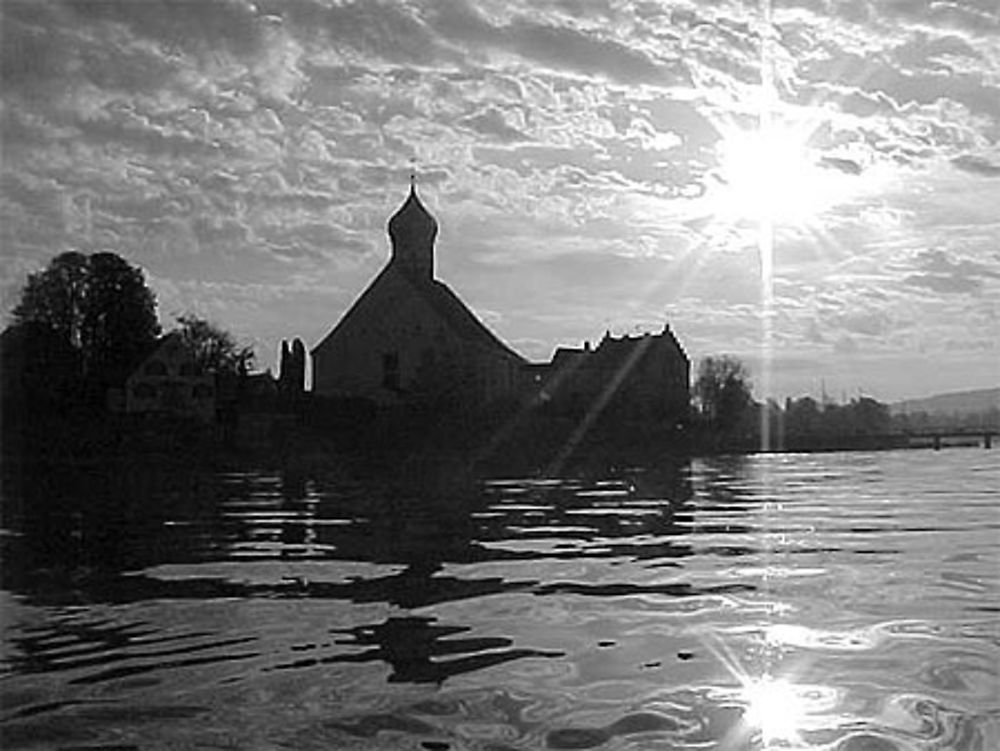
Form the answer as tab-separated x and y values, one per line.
413	227
462	320
612	352
445	303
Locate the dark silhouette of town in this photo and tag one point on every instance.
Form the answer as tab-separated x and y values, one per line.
409	377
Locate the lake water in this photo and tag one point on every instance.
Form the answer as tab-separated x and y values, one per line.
831	601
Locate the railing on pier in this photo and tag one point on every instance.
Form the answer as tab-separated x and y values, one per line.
938	438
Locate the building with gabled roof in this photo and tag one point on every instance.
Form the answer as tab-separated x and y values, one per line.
169	382
409	338
645	376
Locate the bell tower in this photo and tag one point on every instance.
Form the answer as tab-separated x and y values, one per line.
412	231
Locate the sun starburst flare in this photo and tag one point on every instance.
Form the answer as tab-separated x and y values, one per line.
775	709
770	174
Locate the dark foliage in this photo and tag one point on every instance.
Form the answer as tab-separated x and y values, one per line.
39	369
722	392
215	350
99	305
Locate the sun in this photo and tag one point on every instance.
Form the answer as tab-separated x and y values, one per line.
770	174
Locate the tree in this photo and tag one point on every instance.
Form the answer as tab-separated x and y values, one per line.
722	391
99	304
56	297
214	350
39	370
803	416
119	322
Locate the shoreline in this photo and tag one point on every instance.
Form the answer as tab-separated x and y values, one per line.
205	446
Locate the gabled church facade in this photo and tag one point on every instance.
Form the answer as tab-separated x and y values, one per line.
408	338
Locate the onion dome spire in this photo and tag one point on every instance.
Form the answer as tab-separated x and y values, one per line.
413	230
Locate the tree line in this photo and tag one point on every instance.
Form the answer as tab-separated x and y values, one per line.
724	410
84	323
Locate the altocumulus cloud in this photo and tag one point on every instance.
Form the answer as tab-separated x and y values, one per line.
937	271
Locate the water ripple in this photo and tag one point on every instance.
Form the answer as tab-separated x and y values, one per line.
648	609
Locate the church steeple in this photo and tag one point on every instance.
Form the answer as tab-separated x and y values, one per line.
412	230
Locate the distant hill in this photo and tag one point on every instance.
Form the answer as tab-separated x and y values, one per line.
958	402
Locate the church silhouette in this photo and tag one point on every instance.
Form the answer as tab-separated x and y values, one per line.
409	339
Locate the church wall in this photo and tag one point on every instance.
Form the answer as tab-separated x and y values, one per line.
394	347
495	375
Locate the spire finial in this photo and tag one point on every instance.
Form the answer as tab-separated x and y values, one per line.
413	173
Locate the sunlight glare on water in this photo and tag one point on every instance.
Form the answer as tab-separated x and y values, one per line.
775	708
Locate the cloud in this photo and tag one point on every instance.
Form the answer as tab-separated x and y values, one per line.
948	284
866	322
319	241
562	47
976	165
491	122
978	17
939	261
386	32
569	49
845	345
233	26
814	333
847	166
940	273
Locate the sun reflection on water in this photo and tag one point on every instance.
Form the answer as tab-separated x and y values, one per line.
776	710
779	711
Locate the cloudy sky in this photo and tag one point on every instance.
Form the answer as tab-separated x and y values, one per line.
812	185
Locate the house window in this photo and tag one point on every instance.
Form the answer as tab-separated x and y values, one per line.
390	370
144	391
156	368
174	396
202	391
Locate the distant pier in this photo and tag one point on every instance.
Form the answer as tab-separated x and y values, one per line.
938	439
912	439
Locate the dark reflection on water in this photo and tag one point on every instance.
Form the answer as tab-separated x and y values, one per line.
409	646
646	608
62	548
